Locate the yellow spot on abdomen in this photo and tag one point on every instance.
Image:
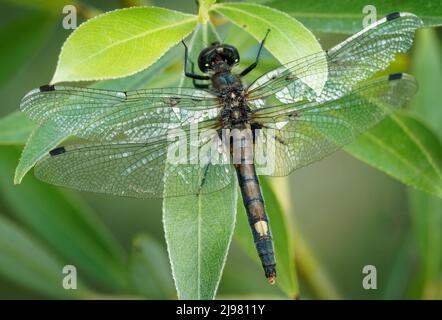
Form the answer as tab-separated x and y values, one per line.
262	228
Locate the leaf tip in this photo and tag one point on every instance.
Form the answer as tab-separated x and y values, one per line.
17	178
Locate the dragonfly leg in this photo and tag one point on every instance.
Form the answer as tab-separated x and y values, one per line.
191	74
195	84
254	64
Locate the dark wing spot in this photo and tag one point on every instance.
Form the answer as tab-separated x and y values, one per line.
393	16
280	140
47	87
290	77
171	101
294	114
57	151
395	76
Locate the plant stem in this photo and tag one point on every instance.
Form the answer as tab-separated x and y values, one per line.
203	11
307	266
310	271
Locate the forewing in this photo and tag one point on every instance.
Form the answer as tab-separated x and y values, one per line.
105	115
132	169
352	61
301	133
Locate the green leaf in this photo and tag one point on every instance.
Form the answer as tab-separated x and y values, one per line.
426	211
150	269
20	38
288	39
404	148
42	140
427	69
120	43
347	16
15	128
28	262
63	222
198	232
146	78
199	228
282	238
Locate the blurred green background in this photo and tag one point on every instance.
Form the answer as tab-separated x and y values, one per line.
345	213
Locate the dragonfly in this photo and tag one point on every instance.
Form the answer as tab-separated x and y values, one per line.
128	135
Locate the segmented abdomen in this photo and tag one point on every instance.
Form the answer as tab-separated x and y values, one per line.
257	216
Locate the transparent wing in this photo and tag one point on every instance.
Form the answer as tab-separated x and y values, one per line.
303	132
354	60
105	115
137	169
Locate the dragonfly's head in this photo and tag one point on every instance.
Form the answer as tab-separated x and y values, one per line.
218	58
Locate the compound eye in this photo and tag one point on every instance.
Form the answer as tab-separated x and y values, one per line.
231	54
205	59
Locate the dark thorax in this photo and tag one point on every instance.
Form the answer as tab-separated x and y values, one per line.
218	60
235	112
